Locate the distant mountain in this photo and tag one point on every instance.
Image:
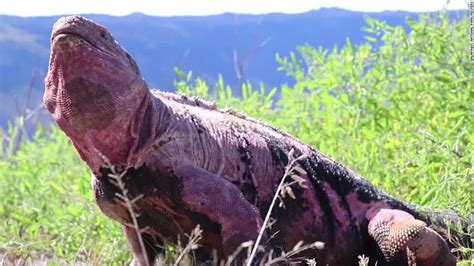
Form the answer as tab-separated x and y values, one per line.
207	45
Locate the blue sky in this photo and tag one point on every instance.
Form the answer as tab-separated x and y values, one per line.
207	7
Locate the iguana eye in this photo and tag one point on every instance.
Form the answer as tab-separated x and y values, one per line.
103	34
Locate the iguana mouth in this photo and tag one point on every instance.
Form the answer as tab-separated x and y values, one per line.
66	31
60	34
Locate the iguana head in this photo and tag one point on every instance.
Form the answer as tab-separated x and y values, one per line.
93	88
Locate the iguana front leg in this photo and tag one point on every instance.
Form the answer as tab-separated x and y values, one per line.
405	240
222	202
151	251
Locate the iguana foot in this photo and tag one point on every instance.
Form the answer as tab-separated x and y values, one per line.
404	240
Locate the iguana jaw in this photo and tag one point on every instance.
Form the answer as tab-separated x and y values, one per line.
93	89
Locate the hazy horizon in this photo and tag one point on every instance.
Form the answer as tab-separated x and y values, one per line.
209	7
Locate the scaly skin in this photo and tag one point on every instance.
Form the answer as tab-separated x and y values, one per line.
195	164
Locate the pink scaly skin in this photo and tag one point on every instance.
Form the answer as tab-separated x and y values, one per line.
195	164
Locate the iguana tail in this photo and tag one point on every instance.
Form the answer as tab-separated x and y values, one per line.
458	231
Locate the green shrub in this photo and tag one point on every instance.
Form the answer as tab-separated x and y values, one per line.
47	207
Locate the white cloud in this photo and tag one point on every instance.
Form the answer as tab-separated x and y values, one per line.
206	7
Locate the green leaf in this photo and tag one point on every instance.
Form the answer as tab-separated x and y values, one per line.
370	39
443	78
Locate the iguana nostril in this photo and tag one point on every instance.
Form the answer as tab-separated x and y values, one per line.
65	41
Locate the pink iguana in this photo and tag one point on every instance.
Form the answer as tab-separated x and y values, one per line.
195	164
